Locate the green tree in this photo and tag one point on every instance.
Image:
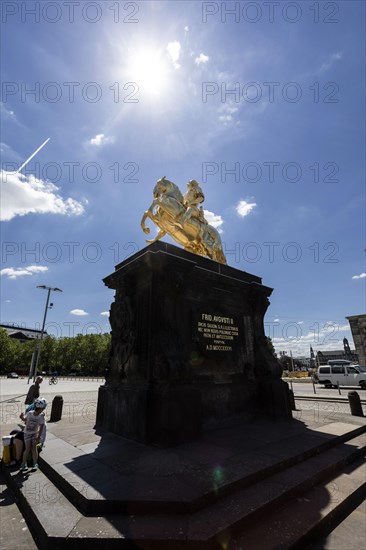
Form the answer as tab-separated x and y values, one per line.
66	355
6	352
14	354
85	354
48	354
285	361
271	346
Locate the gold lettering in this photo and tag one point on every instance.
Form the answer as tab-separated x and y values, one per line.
220	330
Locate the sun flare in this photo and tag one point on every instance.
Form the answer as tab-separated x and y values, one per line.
149	70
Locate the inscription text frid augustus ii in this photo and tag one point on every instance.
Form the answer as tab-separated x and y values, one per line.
219	332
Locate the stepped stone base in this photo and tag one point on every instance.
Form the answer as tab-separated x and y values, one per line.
239	487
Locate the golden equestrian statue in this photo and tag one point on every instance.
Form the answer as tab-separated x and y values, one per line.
183	219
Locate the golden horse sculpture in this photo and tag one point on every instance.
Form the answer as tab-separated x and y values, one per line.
180	217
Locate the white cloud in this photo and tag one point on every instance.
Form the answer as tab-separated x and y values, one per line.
173	49
226	112
361	276
10	155
37	268
329	337
186	28
4	148
214	219
101	139
331	326
6	113
105	313
78	312
243	208
14	272
331	60
225	119
23	195
201	59
7	301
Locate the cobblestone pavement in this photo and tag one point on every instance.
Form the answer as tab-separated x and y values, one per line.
80	397
324	411
14	532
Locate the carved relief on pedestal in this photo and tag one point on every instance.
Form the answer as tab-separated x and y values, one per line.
123	335
170	362
266	364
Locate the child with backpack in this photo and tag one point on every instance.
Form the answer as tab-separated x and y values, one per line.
34	425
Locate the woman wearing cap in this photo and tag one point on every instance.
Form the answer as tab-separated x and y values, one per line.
34	426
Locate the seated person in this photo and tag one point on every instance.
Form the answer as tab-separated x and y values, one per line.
18	439
192	198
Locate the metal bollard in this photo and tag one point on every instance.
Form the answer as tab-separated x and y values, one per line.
56	411
355	403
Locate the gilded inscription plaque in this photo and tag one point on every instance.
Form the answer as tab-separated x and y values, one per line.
216	332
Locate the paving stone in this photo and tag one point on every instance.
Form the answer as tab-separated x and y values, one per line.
83	438
296	519
132	527
158	463
106	468
335	429
206	453
49	505
57	451
350	534
14	532
289	447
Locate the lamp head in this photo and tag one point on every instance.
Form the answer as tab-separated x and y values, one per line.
49	288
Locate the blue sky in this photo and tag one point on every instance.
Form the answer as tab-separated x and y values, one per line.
264	106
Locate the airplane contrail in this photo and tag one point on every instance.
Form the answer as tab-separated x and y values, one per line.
35	152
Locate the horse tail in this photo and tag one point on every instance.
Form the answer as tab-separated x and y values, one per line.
220	256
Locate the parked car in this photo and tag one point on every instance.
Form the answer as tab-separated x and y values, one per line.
343	373
12	375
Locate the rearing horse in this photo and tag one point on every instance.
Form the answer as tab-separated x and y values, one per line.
194	235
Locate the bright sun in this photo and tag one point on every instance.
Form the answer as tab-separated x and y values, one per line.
149	70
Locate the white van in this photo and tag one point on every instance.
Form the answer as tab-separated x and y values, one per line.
342	372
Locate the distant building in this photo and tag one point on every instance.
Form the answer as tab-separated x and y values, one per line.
322	357
358	328
304	360
21	333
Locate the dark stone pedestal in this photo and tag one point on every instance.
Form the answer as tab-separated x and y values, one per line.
188	349
164	416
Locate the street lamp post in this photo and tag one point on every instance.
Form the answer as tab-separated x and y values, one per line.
49	289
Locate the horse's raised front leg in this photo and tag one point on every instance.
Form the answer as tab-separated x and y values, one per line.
148	214
143	226
158	236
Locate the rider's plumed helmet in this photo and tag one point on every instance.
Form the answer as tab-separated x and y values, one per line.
192	183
